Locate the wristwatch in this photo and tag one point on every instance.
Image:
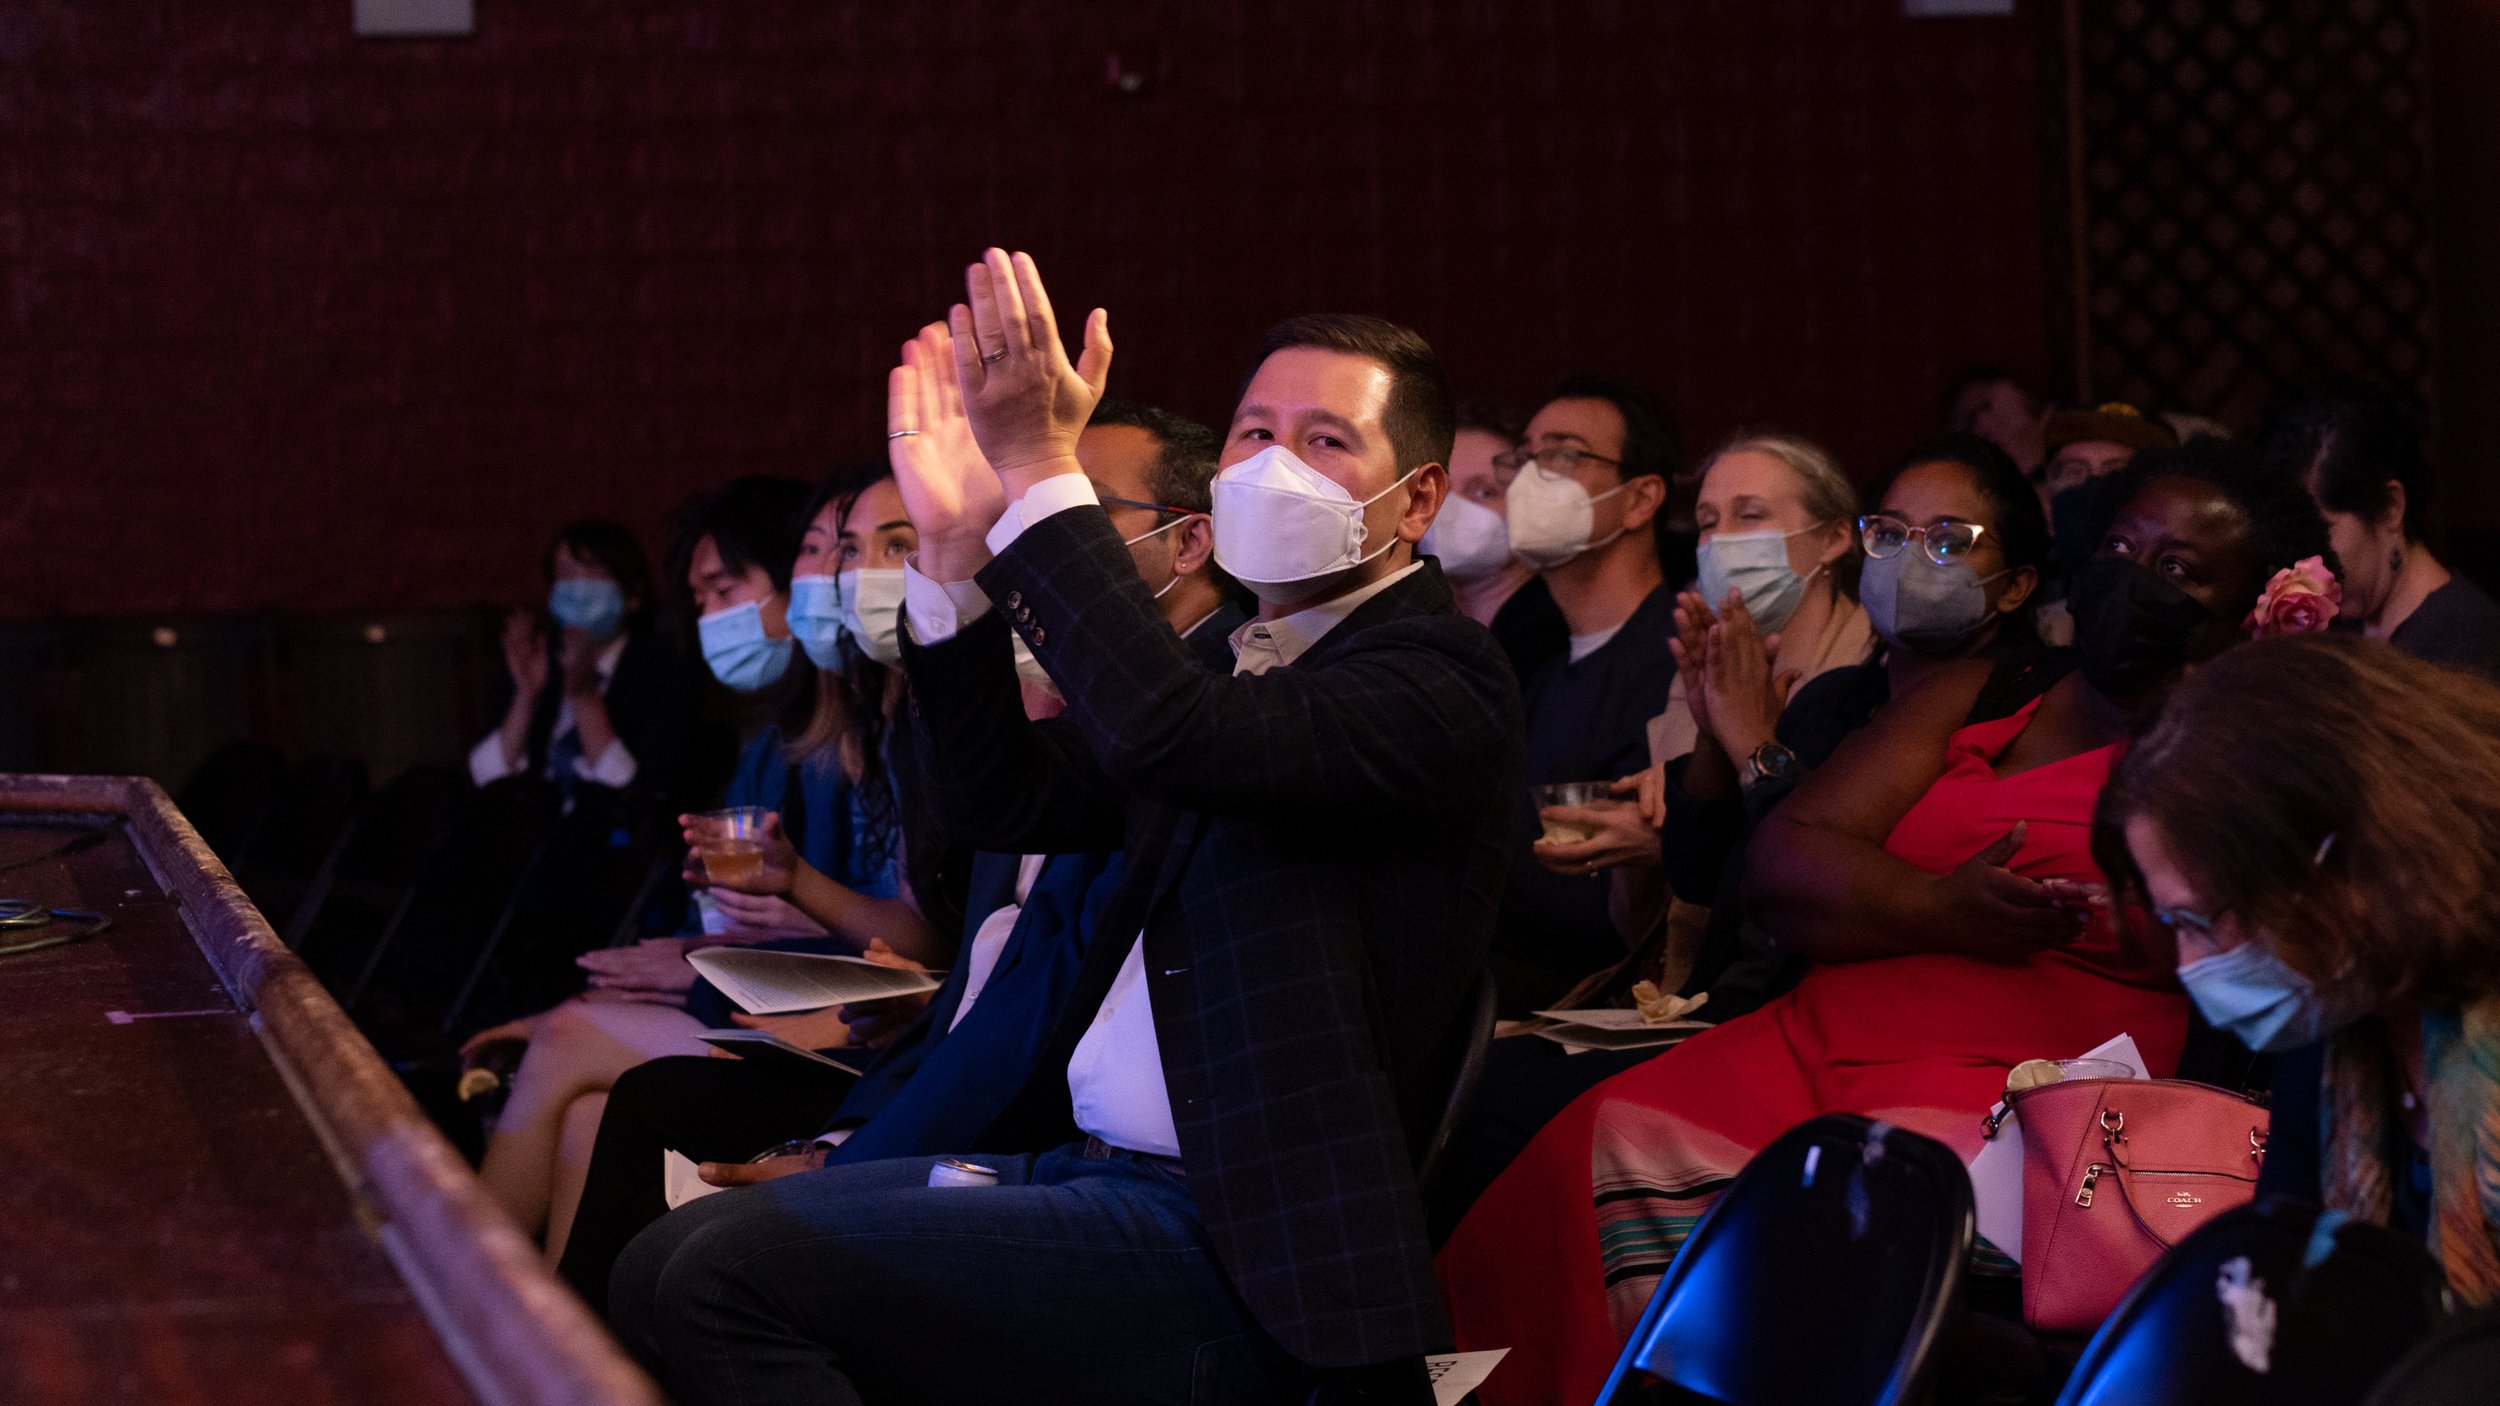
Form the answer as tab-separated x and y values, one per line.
1771	761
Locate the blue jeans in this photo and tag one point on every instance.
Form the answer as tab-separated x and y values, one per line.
1077	1278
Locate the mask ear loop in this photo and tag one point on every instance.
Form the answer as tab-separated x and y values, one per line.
1375	552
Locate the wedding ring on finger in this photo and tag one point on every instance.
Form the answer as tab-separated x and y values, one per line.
900	434
993	358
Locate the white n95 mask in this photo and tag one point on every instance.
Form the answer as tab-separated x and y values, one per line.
872	610
1470	540
1551	516
1283	530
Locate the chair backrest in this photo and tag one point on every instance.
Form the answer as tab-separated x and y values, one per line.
361	891
231	798
2458	1366
459	902
2276	1302
307	826
1466	1073
1821	1278
594	875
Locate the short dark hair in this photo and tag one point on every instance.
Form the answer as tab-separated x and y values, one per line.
2284	525
608	546
1650	442
752	521
1420	417
1504	422
1184	471
2345	442
1987	373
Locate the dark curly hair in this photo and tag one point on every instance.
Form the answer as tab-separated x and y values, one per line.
2284	526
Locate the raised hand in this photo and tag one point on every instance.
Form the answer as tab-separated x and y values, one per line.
524	655
949	492
1026	402
1745	693
1691	647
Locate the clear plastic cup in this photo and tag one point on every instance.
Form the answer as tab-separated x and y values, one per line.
732	844
1568	793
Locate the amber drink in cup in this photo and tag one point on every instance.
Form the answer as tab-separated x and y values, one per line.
1568	793
733	847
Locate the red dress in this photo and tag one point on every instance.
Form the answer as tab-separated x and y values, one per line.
1558	1257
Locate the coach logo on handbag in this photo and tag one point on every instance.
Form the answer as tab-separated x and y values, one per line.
2184	1199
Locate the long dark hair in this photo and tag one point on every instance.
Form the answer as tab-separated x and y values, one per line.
846	716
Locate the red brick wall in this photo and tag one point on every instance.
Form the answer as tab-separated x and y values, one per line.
297	320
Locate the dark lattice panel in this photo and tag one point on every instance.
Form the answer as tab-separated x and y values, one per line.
2253	197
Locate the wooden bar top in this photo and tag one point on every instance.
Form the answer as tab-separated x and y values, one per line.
210	1188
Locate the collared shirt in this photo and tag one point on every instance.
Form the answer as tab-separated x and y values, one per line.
990	939
615	766
1115	1076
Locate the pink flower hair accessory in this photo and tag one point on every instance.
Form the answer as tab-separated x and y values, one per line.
2301	600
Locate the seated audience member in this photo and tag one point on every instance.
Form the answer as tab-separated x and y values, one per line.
813	764
1938	878
1779	566
1233	1212
2360	452
2084	445
1988	402
1471	541
604	698
1155	472
1954	551
1591	474
1024	930
2316	820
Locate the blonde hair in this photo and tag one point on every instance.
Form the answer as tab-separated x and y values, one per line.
1829	495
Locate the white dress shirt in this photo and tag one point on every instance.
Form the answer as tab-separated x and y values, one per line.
1115	1077
615	767
990	939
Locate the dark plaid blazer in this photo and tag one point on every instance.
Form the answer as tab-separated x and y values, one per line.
1314	855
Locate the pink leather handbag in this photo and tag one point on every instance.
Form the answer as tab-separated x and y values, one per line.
2115	1172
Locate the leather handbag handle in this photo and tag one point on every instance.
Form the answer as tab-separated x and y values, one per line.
2114	1142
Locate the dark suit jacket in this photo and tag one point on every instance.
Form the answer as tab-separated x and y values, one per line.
1314	855
936	1090
654	700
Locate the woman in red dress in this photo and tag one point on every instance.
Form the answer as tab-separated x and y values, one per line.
1938	876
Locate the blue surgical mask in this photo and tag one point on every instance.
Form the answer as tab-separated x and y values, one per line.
740	654
1916	605
1754	564
593	605
816	619
2255	995
872	610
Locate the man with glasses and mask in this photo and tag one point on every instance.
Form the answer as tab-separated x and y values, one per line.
1207	1192
1154	472
1585	508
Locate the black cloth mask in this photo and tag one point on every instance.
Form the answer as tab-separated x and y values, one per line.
2133	627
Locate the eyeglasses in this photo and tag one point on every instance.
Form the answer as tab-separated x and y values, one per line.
2186	920
1884	535
1148	507
1553	458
